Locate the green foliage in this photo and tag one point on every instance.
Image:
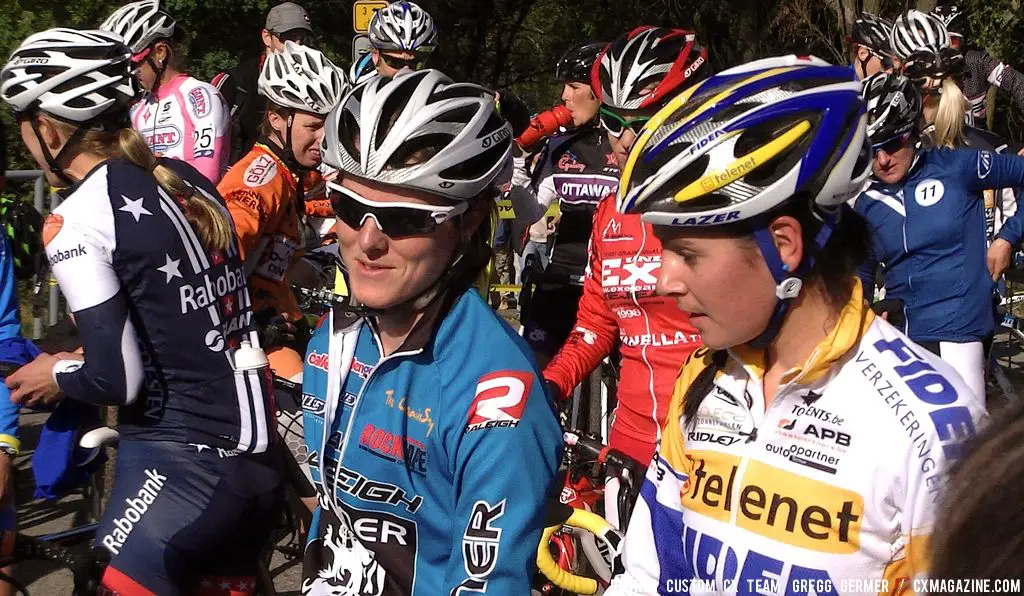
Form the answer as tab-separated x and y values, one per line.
514	44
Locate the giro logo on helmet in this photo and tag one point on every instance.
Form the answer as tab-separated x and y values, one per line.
496	137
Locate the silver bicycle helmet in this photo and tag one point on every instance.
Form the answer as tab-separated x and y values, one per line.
301	78
403	26
380	125
77	76
140	24
915	31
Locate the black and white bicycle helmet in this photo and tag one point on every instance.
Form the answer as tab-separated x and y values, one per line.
953	17
77	76
403	26
872	32
362	70
577	64
893	106
301	78
916	31
140	24
380	124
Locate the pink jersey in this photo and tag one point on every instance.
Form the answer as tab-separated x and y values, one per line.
186	119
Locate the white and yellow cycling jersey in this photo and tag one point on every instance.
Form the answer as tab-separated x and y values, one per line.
831	489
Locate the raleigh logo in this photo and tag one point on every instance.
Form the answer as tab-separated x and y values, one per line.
134	512
64	255
196	297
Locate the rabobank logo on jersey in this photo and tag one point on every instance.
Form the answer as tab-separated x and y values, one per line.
202	295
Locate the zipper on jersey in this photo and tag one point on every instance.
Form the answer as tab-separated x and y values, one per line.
355	406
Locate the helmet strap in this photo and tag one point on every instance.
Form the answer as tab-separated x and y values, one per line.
54	161
788	283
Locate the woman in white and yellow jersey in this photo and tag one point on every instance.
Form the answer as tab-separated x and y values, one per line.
806	447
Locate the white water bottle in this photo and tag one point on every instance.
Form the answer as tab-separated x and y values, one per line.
250	358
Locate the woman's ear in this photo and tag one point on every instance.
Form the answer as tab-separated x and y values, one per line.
277	122
51	135
787	234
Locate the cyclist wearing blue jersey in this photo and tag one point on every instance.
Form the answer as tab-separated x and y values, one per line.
144	253
926	211
432	442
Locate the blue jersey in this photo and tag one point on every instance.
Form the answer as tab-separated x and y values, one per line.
159	315
433	464
13	348
929	234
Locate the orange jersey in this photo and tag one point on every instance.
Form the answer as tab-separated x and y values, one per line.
260	194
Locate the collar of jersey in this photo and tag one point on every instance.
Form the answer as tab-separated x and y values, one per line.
853	323
422	332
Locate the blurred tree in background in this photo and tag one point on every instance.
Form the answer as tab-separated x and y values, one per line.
514	44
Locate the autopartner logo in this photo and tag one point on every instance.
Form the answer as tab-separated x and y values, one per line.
500	400
317	360
163	138
779	504
394	448
806	456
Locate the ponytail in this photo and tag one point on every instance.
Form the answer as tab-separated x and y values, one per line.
205	216
950	118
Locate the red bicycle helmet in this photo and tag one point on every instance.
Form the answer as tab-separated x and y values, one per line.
669	59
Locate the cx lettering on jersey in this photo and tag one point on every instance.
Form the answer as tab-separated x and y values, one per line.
481	543
500	400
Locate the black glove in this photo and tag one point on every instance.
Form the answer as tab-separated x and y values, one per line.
273	329
515	111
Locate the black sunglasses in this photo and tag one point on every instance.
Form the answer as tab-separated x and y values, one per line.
400	63
892	145
300	36
396	220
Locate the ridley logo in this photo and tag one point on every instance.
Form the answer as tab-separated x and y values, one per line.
500	400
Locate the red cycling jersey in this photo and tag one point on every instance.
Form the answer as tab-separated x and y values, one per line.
619	300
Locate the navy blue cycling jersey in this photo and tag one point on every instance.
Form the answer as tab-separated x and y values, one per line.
158	314
929	234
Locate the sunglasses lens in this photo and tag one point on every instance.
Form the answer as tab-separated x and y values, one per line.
395	222
612	125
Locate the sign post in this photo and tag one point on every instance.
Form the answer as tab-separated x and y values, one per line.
362	12
360	46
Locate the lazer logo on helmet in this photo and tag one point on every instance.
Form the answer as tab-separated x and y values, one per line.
706	220
201	296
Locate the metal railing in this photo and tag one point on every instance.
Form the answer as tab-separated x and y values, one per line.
39	201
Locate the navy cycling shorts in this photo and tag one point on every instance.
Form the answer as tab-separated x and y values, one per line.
181	514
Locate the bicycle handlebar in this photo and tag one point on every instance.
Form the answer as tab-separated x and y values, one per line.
594	449
584	520
87	569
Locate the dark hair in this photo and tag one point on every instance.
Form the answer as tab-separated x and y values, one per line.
982	529
178	45
835	271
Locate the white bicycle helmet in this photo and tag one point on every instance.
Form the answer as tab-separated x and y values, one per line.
742	143
140	24
403	26
301	78
76	76
362	70
916	31
380	124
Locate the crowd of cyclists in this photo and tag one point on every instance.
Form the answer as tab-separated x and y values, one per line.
795	264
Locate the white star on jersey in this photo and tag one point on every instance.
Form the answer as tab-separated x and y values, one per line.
134	207
171	268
